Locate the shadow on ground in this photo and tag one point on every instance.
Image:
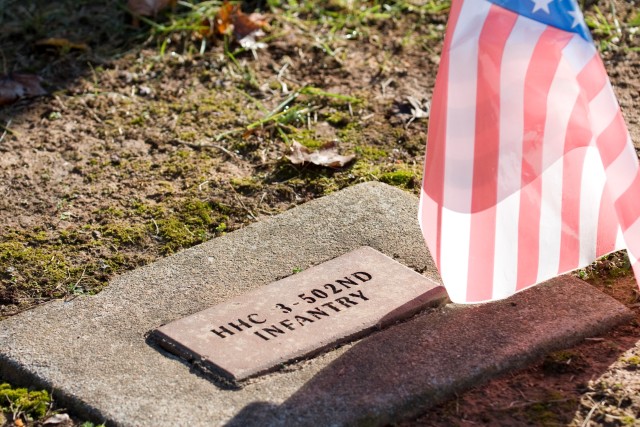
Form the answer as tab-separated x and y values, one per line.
404	371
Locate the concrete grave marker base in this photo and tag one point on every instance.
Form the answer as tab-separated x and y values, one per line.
93	353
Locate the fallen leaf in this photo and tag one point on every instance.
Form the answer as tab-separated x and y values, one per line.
419	110
231	19
243	25
18	422
139	8
57	419
148	7
223	24
62	43
16	86
326	156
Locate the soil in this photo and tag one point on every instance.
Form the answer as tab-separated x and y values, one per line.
153	139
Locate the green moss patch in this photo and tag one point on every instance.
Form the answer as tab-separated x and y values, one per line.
32	404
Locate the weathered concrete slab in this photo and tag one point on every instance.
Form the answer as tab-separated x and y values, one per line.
336	301
93	352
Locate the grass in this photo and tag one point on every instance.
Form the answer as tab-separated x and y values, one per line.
610	32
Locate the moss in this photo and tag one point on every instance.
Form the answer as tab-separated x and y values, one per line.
634	361
628	420
39	269
561	362
123	233
400	178
246	185
33	403
551	410
308	139
192	221
339	119
40	237
138	121
351	135
111	212
371	153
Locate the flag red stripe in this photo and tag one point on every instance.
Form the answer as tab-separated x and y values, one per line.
633	236
592	79
577	138
607	225
494	35
433	182
636	268
542	69
628	204
613	140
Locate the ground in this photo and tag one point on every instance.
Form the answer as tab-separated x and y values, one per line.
156	138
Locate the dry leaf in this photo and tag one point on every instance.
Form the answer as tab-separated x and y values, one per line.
223	19
243	25
326	156
18	422
419	109
231	20
148	7
16	86
62	43
57	419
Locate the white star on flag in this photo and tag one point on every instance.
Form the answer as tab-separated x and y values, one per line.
541	4
577	17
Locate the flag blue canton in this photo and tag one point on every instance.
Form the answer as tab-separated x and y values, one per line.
562	14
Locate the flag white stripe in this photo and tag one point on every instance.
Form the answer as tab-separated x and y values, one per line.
428	209
454	250
561	101
634	230
515	62
550	233
622	172
620	243
505	261
591	190
460	136
578	53
603	109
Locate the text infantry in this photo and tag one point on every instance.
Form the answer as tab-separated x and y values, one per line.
310	316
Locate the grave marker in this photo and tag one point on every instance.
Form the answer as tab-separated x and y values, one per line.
300	315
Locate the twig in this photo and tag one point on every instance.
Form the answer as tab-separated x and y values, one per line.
237	196
201	145
73	288
6	129
91	112
60	103
81	277
526	403
588	417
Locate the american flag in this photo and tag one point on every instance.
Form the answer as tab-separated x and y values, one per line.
530	171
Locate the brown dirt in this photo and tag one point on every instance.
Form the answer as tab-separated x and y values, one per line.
126	161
